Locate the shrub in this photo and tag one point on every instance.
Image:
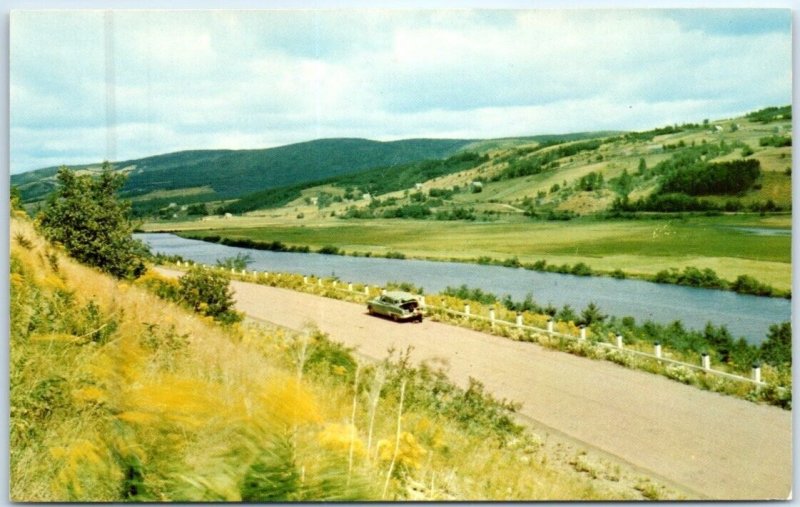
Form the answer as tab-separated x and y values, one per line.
746	284
207	292
163	287
776	141
240	262
581	269
329	250
680	373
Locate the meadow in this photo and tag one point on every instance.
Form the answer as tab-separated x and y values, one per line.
640	247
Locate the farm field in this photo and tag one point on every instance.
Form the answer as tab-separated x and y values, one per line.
638	247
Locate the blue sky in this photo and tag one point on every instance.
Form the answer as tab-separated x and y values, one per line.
92	85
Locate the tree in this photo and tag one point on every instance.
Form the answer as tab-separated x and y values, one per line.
623	183
197	209
567	314
591	314
642	166
86	217
777	349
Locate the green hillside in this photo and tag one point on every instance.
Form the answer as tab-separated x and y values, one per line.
630	204
228	173
732	165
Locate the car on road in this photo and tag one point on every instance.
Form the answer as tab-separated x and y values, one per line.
397	305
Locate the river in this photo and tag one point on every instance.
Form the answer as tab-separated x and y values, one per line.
743	315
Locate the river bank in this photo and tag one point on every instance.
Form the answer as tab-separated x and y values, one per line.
691	276
747	316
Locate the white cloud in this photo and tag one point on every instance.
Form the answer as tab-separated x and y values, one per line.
251	79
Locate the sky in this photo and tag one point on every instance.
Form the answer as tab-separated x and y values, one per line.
92	85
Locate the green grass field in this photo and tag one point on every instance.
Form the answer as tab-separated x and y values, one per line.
638	247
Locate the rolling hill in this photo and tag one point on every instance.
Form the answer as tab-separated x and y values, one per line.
672	168
737	164
634	204
224	174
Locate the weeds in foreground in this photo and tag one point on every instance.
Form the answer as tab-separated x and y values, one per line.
119	396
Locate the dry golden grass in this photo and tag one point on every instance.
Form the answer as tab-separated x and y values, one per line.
117	395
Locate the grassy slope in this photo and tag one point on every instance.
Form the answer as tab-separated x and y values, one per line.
237	172
637	247
116	395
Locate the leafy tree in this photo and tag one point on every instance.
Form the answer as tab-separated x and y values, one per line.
92	224
207	292
769	114
591	181
777	349
710	178
197	209
642	166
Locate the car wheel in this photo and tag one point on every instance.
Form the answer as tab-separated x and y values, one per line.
369	310
394	317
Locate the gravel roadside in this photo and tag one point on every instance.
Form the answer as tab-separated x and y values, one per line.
706	444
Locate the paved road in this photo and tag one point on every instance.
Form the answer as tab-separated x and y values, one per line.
713	446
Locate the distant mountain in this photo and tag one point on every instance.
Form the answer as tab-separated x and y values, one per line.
225	174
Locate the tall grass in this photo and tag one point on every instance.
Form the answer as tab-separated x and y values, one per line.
117	395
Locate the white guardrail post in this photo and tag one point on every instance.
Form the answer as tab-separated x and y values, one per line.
519	319
583	332
491	316
619	341
757	373
657	347
550	325
466	310
706	360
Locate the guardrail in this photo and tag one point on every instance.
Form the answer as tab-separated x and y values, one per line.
657	355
